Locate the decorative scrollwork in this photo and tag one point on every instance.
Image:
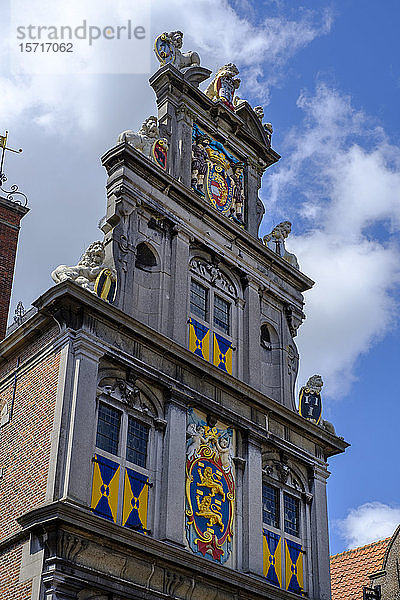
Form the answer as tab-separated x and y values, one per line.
21	198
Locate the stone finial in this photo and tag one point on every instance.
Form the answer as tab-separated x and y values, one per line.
19	313
167	48
276	241
87	270
224	84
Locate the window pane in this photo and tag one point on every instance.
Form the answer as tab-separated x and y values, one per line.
108	425
136	443
221	314
291	511
270	505
198	300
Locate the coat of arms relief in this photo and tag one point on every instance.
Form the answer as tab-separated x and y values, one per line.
210	487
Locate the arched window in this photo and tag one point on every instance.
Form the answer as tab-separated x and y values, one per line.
145	258
124	454
265	338
212	314
284	528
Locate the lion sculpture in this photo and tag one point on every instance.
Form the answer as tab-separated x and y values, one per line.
276	242
314	385
182	59
87	269
144	139
225	79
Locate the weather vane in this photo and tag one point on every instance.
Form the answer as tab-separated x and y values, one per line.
14	191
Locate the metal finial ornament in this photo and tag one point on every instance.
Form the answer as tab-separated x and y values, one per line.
19	313
14	194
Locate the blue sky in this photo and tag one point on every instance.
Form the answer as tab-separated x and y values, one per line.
328	76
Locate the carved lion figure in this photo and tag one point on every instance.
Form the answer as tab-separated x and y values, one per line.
225	75
182	59
87	269
276	242
143	139
315	384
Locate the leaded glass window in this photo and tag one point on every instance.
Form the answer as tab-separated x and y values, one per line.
221	314
136	442
270	506
291	515
198	300
108	426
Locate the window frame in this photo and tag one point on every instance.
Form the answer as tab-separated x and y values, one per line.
121	459
301	538
212	292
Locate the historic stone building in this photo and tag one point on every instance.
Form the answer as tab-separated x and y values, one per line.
150	444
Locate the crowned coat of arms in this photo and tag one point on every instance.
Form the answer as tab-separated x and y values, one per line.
210	488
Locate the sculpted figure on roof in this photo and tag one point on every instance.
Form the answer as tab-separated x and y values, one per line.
224	85
167	48
86	271
147	140
276	242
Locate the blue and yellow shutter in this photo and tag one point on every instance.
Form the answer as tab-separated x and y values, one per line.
105	488
222	357
294	567
272	557
199	339
136	495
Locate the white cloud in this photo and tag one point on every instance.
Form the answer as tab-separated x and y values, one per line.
368	523
345	177
63	103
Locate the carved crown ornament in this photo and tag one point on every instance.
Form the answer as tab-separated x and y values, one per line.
213	275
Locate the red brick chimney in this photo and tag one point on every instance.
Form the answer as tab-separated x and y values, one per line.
11	214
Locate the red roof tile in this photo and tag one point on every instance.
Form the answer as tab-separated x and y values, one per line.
350	569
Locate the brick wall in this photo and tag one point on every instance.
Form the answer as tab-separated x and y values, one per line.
10	217
25	442
29	350
10	588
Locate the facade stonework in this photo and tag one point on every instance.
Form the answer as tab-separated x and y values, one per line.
159	418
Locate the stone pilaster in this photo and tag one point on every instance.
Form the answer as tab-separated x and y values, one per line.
59	434
81	428
252	509
179	287
173	474
251	322
320	534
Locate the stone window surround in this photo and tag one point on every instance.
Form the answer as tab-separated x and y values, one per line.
120	458
209	322
285	489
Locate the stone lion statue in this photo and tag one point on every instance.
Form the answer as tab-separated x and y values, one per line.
314	384
87	269
182	59
276	241
224	84
144	139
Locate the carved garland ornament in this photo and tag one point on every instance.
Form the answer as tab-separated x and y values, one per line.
213	275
